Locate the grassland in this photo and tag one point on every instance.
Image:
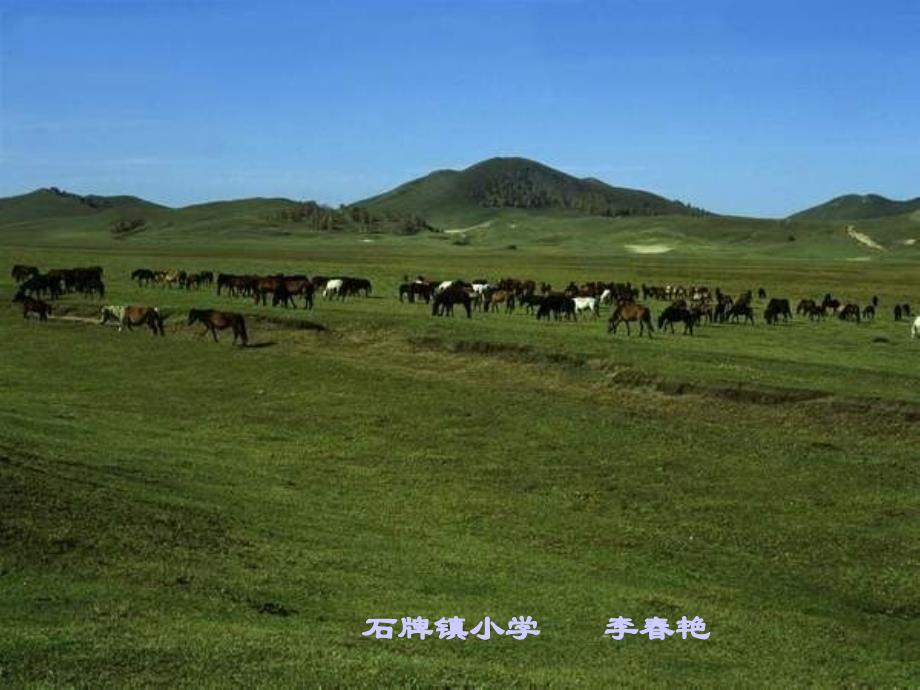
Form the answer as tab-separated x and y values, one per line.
175	512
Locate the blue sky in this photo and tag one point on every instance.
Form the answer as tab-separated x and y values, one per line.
757	108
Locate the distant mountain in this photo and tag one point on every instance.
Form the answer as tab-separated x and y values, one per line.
51	202
857	207
124	216
517	183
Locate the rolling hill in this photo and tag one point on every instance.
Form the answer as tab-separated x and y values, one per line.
472	194
858	207
51	202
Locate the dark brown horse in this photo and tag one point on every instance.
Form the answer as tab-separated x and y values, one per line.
849	312
630	311
33	306
292	286
445	300
676	313
214	321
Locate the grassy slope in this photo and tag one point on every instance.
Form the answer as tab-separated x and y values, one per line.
852	207
155	494
450	197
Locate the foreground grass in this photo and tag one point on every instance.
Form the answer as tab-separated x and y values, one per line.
162	501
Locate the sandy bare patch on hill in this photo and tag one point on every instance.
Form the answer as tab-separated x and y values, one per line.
648	248
457	231
863	238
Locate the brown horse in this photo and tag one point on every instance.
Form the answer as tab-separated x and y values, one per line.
33	306
133	315
214	321
630	311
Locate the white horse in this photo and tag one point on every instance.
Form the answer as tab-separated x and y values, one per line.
480	288
607	296
333	288
583	304
915	329
443	286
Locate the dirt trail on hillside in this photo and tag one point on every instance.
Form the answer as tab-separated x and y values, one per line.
864	239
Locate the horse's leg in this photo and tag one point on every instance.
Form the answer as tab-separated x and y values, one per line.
213	332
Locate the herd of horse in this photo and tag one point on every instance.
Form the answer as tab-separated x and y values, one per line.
687	306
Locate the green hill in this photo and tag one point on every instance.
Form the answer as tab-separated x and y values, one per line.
54	211
51	202
471	195
858	207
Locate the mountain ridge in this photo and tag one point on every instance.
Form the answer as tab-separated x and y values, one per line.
852	207
519	183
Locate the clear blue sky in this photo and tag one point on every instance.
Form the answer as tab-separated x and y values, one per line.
759	108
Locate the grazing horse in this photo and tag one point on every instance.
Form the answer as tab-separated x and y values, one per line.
444	301
630	311
673	313
557	305
761	293
265	286
740	310
805	306
492	298
850	311
214	321
915	329
869	312
33	306
776	308
589	304
830	303
132	315
334	288
143	276
291	287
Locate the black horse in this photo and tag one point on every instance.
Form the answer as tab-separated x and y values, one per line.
777	307
444	301
676	313
739	311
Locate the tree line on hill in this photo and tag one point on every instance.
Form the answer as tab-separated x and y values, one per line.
316	216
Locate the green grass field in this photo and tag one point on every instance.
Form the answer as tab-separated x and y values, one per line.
175	512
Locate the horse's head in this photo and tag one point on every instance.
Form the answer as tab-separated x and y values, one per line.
193	316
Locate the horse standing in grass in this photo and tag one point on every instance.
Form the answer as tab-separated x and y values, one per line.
676	313
214	321
915	329
630	311
741	310
587	304
849	312
131	316
33	306
444	301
